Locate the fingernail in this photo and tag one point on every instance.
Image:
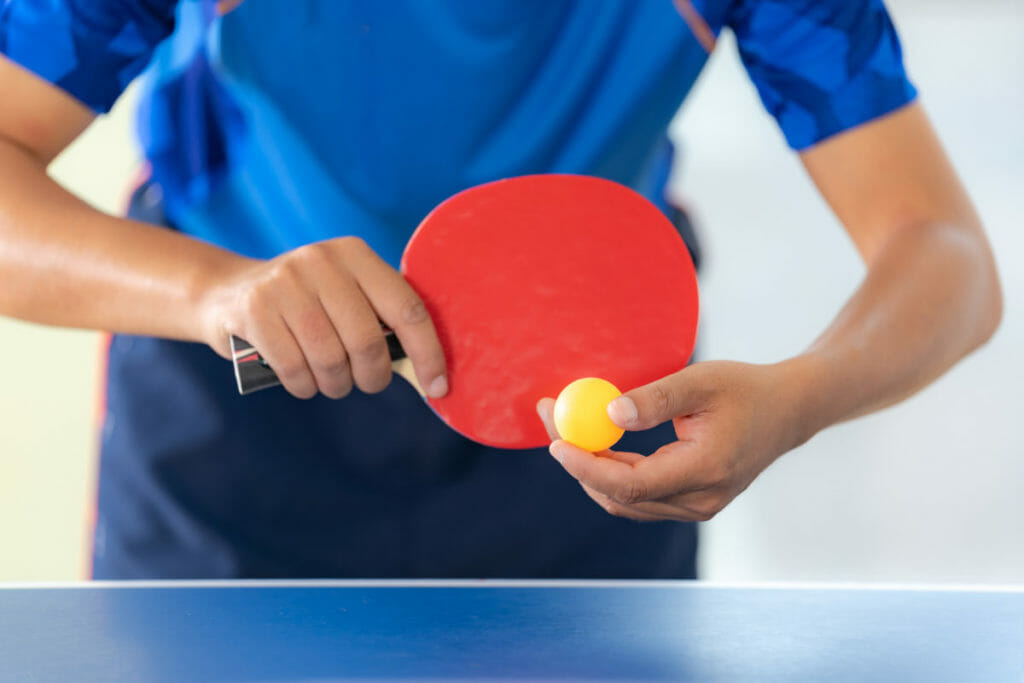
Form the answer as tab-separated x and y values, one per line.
623	411
438	388
556	451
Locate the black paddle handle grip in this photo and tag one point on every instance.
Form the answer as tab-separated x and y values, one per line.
252	372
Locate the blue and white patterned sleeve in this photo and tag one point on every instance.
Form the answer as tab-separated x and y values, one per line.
92	49
821	66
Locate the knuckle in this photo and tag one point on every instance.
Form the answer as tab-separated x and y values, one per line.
333	366
291	371
608	505
726	473
368	346
312	326
305	393
295	376
616	511
413	311
703	516
718	473
375	382
336	389
709	509
287	269
312	256
353	244
630	492
340	392
661	399
301	389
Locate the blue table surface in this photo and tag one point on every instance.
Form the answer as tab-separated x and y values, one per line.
645	631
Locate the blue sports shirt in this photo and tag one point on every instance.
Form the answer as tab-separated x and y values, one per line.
270	125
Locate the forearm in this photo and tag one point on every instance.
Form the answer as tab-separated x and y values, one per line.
64	263
931	295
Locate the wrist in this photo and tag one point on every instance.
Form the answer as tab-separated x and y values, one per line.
209	292
804	396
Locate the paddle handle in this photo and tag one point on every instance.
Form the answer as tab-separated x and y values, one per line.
252	372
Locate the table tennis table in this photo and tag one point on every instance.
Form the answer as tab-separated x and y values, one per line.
509	630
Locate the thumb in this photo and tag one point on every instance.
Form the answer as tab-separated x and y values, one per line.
660	401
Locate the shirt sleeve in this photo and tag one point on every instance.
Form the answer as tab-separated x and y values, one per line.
821	66
92	49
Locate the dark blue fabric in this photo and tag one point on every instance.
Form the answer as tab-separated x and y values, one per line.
211	484
197	481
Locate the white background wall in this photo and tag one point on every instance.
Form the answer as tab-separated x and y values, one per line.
929	490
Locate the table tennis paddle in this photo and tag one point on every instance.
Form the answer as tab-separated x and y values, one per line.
533	282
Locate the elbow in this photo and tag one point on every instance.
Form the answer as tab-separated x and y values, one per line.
987	291
964	263
992	315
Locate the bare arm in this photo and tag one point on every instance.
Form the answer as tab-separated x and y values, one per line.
313	312
930	296
67	264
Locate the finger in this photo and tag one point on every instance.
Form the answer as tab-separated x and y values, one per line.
673	512
609	476
676	511
674	507
613	508
628	483
325	354
546	410
356	327
282	352
660	401
316	334
644	510
401	309
680	468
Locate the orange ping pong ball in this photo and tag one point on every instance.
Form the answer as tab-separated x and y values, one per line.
581	414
